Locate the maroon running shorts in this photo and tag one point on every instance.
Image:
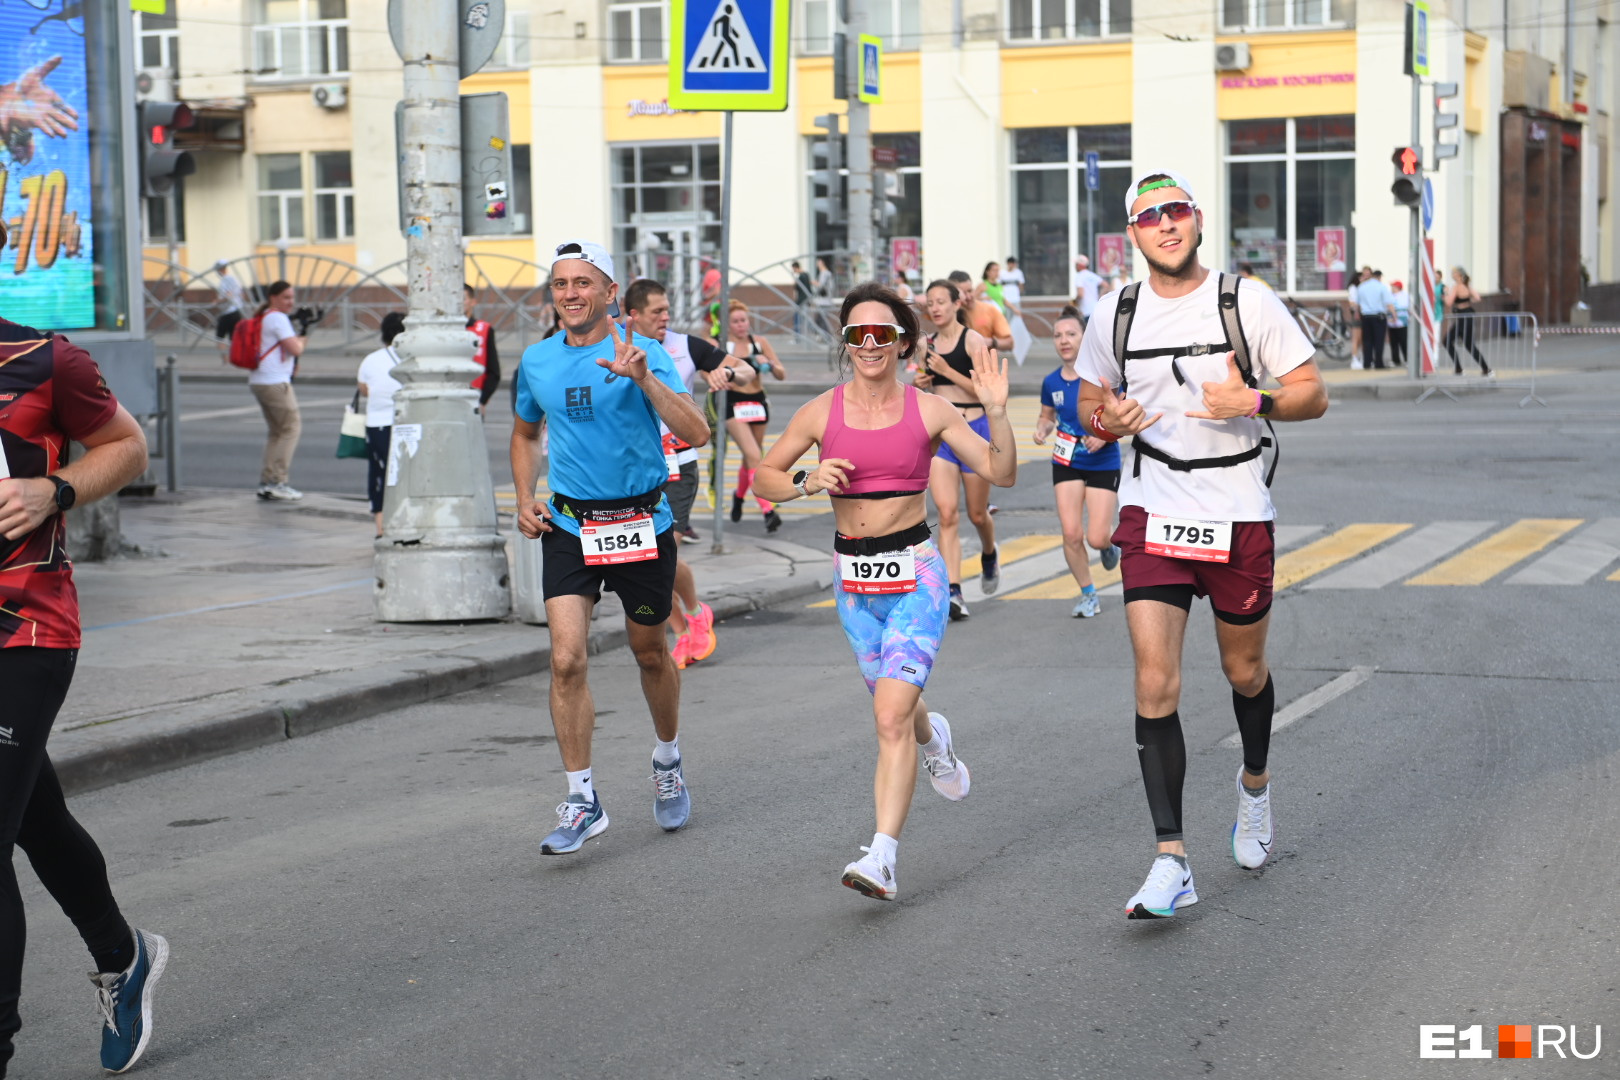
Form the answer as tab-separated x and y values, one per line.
1241	587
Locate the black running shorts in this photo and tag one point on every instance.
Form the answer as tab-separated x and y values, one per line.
1106	479
645	588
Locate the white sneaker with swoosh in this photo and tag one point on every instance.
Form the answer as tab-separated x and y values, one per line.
1169	885
1251	836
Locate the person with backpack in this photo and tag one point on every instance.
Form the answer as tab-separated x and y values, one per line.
270	336
55	395
1190	351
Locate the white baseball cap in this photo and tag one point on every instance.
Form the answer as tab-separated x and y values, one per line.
1143	184
595	254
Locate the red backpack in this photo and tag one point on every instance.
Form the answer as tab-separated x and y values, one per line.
245	337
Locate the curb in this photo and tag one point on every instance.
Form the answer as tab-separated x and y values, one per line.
326	701
1408	389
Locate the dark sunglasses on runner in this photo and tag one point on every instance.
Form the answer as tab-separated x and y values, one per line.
881	333
1149	216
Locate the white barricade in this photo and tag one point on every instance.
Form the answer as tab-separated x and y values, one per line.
1487	348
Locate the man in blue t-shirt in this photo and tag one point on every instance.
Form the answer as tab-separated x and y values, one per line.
607	522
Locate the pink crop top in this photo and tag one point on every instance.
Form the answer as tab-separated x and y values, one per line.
890	461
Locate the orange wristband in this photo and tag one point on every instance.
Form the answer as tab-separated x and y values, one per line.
1098	429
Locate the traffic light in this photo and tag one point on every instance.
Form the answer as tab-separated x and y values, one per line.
1444	121
828	168
1408	186
161	163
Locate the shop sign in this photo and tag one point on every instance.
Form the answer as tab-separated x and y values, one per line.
640	107
1330	248
905	254
1256	82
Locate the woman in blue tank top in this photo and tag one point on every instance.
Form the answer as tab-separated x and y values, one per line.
1085	469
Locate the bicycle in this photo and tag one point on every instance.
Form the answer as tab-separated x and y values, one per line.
1325	328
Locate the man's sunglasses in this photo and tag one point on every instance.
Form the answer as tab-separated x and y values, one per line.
881	333
1150	216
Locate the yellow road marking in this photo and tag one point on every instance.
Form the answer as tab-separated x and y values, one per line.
1494	554
1065	587
1615	576
1330	551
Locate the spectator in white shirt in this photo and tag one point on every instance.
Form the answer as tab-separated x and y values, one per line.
1088	286
271	383
378	384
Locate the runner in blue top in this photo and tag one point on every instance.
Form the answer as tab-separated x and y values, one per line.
607	522
1085	469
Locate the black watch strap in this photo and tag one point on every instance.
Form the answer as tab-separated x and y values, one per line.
65	494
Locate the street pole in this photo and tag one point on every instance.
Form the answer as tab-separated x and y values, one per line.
440	558
1414	332
719	545
862	244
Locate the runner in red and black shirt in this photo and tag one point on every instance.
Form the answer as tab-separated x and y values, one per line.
51	393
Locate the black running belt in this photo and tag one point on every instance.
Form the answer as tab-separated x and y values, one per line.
879	545
875	494
579	507
1146	449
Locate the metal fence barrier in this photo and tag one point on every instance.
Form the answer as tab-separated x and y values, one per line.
1489	349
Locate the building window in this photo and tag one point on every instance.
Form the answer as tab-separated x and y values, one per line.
897	22
666	214
281	198
896	195
1284	14
1057	215
1056	20
159	37
334	196
514	48
636	32
1287	179
297	39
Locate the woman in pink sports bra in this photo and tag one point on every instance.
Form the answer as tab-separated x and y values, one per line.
877	439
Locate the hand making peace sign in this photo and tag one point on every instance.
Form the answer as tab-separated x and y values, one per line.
628	360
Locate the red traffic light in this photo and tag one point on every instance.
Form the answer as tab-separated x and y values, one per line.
1406	159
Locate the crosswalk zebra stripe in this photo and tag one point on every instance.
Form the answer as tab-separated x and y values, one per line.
1330	551
1405	556
1494	554
1576	559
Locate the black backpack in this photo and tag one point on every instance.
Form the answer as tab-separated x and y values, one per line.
1235	343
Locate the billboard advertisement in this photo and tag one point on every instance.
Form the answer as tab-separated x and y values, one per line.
46	268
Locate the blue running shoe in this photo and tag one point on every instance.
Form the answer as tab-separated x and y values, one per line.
577	822
672	808
126	1002
1110	556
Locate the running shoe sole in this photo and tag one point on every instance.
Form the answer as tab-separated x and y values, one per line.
866	886
595	830
159	961
1141	911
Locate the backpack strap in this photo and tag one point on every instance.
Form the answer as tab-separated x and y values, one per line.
1232	322
1124	314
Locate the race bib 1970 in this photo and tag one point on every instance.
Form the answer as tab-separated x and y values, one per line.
890	572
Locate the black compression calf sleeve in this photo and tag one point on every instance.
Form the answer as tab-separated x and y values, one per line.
1163	756
1254	724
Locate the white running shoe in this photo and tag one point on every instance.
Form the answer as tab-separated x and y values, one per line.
1168	885
1251	836
946	772
871	876
284	493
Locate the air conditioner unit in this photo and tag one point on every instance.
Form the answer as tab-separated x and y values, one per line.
1232	56
154	84
330	95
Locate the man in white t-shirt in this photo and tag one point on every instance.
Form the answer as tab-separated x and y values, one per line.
271	383
1088	287
1196	514
1012	291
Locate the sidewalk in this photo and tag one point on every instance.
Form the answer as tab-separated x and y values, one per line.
238	623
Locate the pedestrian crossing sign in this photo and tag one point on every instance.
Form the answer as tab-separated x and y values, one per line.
728	55
871	81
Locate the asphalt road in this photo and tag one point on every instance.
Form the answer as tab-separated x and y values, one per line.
371	902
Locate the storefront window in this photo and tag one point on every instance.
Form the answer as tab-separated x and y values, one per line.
1290	191
1056	214
903	195
666	213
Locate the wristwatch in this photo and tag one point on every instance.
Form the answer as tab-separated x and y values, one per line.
65	495
1267	403
799	479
